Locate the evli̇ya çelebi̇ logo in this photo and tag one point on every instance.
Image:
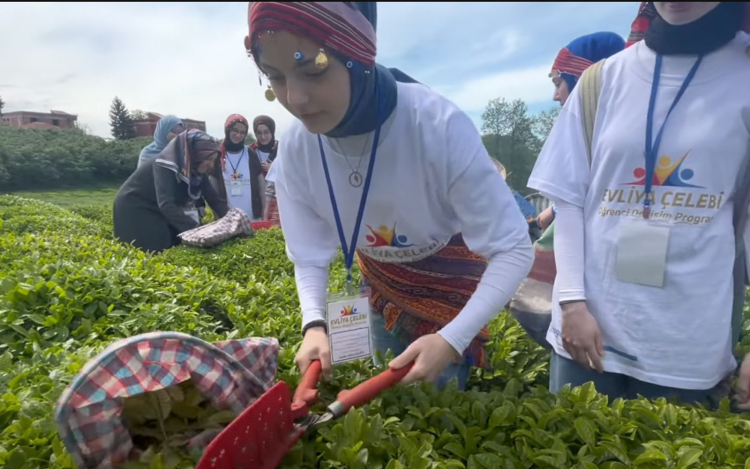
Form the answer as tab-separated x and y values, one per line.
385	237
349	310
668	173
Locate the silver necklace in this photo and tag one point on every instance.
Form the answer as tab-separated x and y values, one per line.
355	177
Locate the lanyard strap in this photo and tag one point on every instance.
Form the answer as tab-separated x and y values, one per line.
239	162
351	249
652	147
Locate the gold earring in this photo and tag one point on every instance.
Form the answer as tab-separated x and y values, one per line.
321	60
270	95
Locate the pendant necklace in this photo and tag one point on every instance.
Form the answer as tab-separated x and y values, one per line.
355	177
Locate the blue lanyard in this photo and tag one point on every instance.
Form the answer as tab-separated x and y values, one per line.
349	251
652	147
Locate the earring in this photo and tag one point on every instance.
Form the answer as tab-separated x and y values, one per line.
270	95
298	57
321	60
248	46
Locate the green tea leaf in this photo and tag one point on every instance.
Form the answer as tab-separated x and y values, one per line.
690	457
650	456
498	416
616	451
586	431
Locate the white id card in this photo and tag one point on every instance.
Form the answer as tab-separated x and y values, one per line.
349	327
236	188
642	252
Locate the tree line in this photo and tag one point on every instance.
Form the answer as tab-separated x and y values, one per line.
54	158
515	138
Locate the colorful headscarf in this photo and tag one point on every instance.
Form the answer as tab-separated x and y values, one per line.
584	52
647	12
336	26
186	152
228	145
346	30
163	127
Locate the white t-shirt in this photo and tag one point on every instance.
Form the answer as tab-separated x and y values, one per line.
432	179
238	182
678	335
263	156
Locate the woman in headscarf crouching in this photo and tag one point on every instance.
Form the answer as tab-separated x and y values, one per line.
157	202
167	129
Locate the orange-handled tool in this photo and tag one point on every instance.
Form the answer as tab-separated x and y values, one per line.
262	435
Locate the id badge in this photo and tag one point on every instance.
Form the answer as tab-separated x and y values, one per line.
642	252
236	188
348	317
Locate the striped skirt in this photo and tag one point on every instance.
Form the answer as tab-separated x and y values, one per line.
419	298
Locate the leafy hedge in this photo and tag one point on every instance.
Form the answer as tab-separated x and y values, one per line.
32	158
67	290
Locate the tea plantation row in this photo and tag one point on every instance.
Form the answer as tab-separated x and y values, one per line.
67	290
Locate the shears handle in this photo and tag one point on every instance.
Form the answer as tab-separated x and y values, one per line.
306	394
368	390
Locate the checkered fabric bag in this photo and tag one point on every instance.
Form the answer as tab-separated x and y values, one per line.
235	223
231	375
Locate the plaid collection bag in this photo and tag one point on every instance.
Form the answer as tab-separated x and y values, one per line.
231	375
235	223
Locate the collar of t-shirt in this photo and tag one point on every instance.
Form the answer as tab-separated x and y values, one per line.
675	68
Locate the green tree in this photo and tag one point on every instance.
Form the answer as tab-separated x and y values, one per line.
510	138
137	115
2	105
120	121
544	122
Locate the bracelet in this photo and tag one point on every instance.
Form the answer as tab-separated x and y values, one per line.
316	323
567	302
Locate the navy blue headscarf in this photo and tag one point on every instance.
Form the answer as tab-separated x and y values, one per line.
362	115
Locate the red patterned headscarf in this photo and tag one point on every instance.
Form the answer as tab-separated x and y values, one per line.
647	12
583	52
231	120
337	26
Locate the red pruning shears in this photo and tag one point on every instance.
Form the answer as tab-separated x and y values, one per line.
263	434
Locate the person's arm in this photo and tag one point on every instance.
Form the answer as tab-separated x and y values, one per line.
492	227
311	245
218	204
569	254
270	194
544	220
167	187
562	174
262	182
256	168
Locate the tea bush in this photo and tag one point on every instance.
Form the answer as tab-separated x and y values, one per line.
67	290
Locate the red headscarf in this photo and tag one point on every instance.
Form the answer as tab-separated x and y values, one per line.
337	26
647	12
231	120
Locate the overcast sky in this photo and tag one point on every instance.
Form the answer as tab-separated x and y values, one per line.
188	59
